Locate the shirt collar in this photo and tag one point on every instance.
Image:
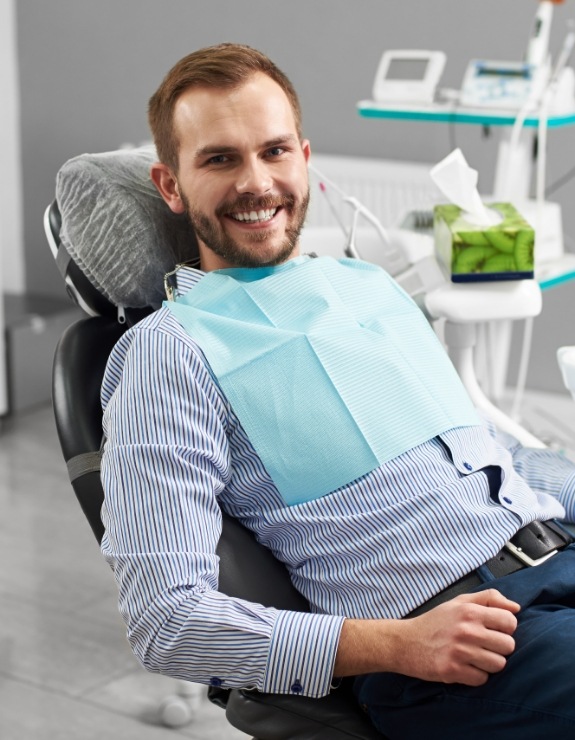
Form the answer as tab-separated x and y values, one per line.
184	278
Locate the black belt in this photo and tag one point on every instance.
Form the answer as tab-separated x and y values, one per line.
530	546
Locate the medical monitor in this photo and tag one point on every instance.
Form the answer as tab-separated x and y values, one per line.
408	76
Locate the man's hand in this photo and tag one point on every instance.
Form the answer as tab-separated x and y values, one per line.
461	641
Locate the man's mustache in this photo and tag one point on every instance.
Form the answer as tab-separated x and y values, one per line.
263	203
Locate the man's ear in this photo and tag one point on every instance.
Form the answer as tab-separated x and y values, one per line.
167	185
306	148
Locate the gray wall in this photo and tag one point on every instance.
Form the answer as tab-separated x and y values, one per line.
88	68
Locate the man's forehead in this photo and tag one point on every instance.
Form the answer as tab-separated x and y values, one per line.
206	111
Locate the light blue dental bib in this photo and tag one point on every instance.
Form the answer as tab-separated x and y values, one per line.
330	367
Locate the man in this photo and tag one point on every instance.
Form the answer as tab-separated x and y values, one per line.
370	536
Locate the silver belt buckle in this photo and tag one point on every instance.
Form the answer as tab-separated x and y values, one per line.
521	555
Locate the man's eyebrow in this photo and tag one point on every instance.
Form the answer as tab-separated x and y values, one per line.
223	149
214	149
278	140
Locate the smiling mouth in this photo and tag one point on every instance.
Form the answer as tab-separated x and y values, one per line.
254	217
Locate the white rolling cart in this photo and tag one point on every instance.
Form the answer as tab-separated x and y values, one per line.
557	267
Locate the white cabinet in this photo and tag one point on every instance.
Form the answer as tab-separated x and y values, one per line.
11	230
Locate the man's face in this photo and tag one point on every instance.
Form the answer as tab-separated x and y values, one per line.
242	174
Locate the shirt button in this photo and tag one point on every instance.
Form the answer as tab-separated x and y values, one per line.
215	681
507	500
467	466
296	687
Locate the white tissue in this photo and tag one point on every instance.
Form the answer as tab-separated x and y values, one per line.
458	182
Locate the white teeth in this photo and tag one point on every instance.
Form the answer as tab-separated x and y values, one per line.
254	216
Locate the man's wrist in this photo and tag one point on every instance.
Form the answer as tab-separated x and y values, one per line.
369	646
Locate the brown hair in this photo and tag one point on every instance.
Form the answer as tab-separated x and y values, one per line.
221	66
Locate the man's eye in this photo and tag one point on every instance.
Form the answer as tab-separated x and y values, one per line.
218	159
276	151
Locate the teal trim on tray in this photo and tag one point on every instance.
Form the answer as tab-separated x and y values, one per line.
547	284
453	116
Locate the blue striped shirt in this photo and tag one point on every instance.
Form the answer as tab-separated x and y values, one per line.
176	456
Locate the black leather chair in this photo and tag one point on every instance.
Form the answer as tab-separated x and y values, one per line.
247	569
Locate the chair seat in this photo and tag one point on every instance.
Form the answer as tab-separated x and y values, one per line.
280	717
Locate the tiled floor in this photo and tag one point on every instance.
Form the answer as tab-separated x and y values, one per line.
66	671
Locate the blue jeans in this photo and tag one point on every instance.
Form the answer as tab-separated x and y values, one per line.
534	695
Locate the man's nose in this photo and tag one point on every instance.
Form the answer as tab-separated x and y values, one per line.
254	178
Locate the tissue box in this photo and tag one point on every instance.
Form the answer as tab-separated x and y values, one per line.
471	253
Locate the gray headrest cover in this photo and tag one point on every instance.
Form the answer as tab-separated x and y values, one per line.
117	228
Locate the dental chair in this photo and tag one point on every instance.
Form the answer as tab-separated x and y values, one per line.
113	239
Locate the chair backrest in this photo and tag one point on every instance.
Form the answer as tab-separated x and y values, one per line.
79	363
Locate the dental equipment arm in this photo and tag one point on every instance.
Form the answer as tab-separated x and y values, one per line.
538	46
464	307
407	256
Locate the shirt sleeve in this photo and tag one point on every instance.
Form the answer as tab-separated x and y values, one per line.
165	461
544	470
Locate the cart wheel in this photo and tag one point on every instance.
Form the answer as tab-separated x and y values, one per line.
175	711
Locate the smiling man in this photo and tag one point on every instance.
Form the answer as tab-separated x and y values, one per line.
310	399
240	173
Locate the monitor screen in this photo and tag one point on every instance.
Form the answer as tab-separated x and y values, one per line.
407	69
518	72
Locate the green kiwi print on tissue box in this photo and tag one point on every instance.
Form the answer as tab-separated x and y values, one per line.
472	253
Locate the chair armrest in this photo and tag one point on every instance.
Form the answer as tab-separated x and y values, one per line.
283	717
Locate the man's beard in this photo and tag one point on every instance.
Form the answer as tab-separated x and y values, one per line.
215	237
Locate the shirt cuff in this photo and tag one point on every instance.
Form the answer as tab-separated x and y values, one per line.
302	654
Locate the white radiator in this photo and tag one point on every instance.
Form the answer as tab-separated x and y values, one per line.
387	188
